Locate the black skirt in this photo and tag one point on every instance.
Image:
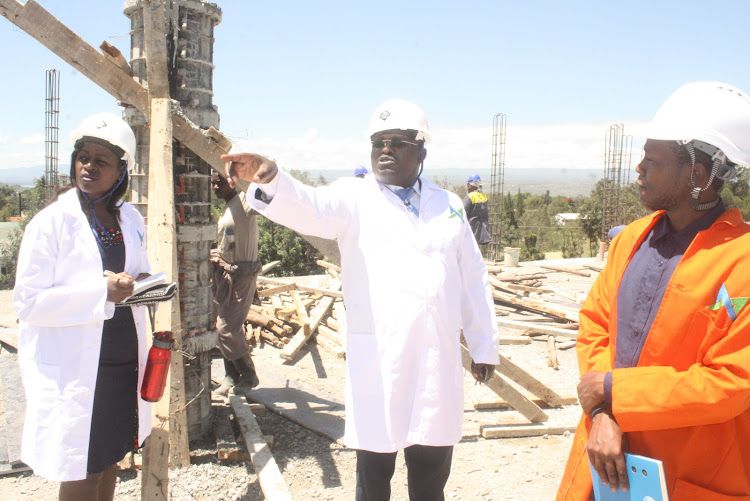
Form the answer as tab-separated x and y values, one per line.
114	420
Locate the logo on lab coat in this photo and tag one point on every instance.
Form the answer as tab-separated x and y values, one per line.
459	213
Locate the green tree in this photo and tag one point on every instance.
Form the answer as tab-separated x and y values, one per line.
519	203
33	201
736	194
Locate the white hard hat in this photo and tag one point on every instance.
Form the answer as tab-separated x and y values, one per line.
710	112
398	114
110	128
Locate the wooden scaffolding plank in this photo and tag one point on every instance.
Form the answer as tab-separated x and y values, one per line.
271	480
523	430
50	32
9	338
516	399
227	448
539	328
303	334
14	403
529	382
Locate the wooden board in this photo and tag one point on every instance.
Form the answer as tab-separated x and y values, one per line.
298	402
538	328
271	480
14	403
227	448
523	430
529	382
9	338
516	399
303	333
498	403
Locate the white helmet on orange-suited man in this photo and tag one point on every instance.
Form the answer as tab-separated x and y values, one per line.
710	117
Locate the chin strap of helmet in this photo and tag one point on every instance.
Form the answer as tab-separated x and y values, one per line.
717	157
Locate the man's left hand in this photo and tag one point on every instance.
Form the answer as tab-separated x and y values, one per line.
591	390
482	372
606	447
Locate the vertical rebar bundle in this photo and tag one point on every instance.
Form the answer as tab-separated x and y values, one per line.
51	131
617	156
497	186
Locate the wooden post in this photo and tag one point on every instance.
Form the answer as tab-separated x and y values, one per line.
169	440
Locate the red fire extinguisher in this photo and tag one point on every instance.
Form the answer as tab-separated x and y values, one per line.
157	366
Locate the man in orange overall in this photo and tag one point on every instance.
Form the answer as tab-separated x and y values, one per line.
664	339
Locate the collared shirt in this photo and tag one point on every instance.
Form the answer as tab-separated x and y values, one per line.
644	283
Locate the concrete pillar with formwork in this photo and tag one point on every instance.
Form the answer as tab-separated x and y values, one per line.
190	67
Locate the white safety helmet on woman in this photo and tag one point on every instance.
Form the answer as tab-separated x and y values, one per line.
109	128
398	114
712	117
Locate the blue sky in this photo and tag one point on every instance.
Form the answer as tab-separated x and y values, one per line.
298	80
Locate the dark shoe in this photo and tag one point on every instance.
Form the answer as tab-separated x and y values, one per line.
230	379
248	378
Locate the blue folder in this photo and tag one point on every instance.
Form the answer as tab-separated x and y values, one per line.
647	481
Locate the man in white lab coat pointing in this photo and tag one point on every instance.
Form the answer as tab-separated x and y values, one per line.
413	279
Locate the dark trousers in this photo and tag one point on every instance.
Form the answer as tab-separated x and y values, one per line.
427	467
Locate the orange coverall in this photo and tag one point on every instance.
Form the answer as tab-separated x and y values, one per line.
686	402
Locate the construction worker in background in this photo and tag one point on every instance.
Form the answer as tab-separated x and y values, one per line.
235	270
664	338
360	172
477	212
413	278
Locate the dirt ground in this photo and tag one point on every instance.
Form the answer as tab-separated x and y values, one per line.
314	467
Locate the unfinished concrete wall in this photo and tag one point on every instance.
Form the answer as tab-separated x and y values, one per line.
190	66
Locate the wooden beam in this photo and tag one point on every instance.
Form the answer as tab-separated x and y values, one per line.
525	430
301	337
552	353
529	382
330	266
496	383
538	328
301	312
50	32
107	74
281	281
268	267
9	338
566	270
498	403
276	290
271	481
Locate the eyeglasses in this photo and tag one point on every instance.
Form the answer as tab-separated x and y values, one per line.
395	143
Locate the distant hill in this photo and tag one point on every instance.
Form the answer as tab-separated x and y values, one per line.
22	176
568	182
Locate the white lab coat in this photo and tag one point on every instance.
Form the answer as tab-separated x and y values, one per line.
60	298
410	285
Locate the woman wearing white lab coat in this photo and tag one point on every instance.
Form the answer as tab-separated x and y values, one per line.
73	364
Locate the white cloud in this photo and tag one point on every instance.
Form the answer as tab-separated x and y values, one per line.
562	146
4	139
32	139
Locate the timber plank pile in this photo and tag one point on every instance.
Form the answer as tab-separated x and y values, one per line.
533	304
292	312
